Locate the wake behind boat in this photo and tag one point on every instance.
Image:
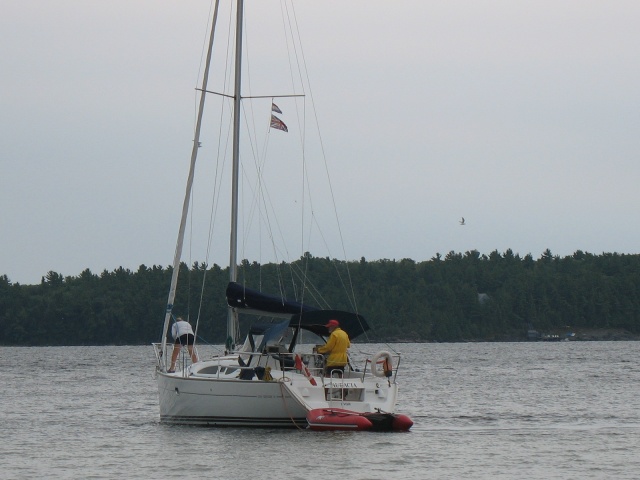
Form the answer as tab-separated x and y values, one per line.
275	377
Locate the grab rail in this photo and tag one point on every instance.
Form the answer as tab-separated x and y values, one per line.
314	362
161	356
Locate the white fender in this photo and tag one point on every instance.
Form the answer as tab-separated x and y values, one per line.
382	357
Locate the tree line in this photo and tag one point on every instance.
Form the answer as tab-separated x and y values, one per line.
457	297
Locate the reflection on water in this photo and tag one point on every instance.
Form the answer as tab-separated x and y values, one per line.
481	410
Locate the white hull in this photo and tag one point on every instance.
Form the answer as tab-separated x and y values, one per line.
188	397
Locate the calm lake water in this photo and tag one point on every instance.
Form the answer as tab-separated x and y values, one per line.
568	410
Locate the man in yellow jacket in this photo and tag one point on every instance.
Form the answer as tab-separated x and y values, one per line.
336	347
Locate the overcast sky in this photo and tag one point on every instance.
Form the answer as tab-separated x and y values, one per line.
521	116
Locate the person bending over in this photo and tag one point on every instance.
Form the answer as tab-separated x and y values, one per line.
183	335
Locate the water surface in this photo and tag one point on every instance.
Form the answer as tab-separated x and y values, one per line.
481	410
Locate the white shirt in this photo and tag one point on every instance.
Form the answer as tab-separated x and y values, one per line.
180	328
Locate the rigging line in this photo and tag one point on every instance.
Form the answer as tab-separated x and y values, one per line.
306	72
228	99
218	177
266	200
267	137
187	196
304	190
255	204
333	262
268	219
249	218
215	202
294	286
265	149
228	72
259	160
263	195
335	266
289	32
310	286
215	196
286	407
247	84
226	83
260	192
191	211
259	165
300	60
195	112
304	279
203	58
288	27
295	273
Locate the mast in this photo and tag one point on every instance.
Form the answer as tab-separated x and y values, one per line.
232	318
187	193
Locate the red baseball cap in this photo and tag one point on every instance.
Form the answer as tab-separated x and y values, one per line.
332	323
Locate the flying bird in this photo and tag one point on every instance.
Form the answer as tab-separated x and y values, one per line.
462	221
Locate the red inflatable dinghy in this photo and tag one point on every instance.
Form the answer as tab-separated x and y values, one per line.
341	419
337	419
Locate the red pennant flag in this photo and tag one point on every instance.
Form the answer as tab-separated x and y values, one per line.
278	124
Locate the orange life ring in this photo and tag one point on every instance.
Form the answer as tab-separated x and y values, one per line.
384	358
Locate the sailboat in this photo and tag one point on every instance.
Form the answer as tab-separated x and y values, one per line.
272	378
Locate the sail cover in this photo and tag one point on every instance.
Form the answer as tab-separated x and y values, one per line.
244	298
302	316
315	321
